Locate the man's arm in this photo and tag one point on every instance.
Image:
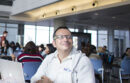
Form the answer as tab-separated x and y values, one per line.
44	79
41	70
85	72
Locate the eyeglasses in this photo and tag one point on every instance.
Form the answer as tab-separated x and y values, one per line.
62	37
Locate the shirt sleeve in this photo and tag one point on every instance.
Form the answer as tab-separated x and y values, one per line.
85	72
41	70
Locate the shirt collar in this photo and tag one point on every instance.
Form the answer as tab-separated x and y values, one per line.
68	57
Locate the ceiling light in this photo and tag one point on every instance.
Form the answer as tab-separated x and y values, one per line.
73	8
57	12
96	14
113	17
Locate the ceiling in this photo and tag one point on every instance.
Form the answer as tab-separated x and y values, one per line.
116	17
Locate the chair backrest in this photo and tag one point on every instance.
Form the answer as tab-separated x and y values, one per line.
125	65
30	68
97	64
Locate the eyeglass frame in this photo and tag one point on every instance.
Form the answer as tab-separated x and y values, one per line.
62	37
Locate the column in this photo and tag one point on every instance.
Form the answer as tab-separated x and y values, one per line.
21	34
111	40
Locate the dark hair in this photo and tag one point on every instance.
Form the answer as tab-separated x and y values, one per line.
31	48
5	32
127	49
61	27
51	48
93	49
12	45
42	46
17	45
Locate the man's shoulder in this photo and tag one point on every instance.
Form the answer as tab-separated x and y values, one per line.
50	56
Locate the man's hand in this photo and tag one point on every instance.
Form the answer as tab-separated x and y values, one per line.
44	79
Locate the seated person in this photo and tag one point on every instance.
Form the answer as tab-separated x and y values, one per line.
48	50
93	53
126	55
30	54
41	48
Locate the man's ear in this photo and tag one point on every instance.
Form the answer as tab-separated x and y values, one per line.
54	43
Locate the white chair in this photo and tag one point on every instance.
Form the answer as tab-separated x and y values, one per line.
124	70
98	68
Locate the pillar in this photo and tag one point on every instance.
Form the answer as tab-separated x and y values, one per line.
21	34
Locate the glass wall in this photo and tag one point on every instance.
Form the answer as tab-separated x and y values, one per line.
102	38
29	33
38	34
121	41
12	31
93	37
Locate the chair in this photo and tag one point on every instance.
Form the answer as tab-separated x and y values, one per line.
29	69
98	69
124	70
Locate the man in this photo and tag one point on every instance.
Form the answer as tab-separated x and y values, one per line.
66	65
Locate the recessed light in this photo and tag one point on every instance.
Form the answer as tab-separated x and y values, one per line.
113	17
96	14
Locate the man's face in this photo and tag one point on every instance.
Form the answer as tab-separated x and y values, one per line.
63	40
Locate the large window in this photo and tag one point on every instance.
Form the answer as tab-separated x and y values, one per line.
12	31
38	34
29	33
102	38
93	37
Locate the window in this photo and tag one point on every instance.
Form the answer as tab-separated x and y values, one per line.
38	34
93	37
29	33
102	38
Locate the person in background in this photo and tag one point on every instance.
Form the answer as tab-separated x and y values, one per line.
126	55
93	53
7	52
48	50
5	47
66	64
17	46
11	50
30	53
18	50
105	50
41	48
3	40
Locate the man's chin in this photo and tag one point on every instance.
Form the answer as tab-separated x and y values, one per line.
67	48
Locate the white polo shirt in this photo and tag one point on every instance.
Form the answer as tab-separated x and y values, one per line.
60	72
75	68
